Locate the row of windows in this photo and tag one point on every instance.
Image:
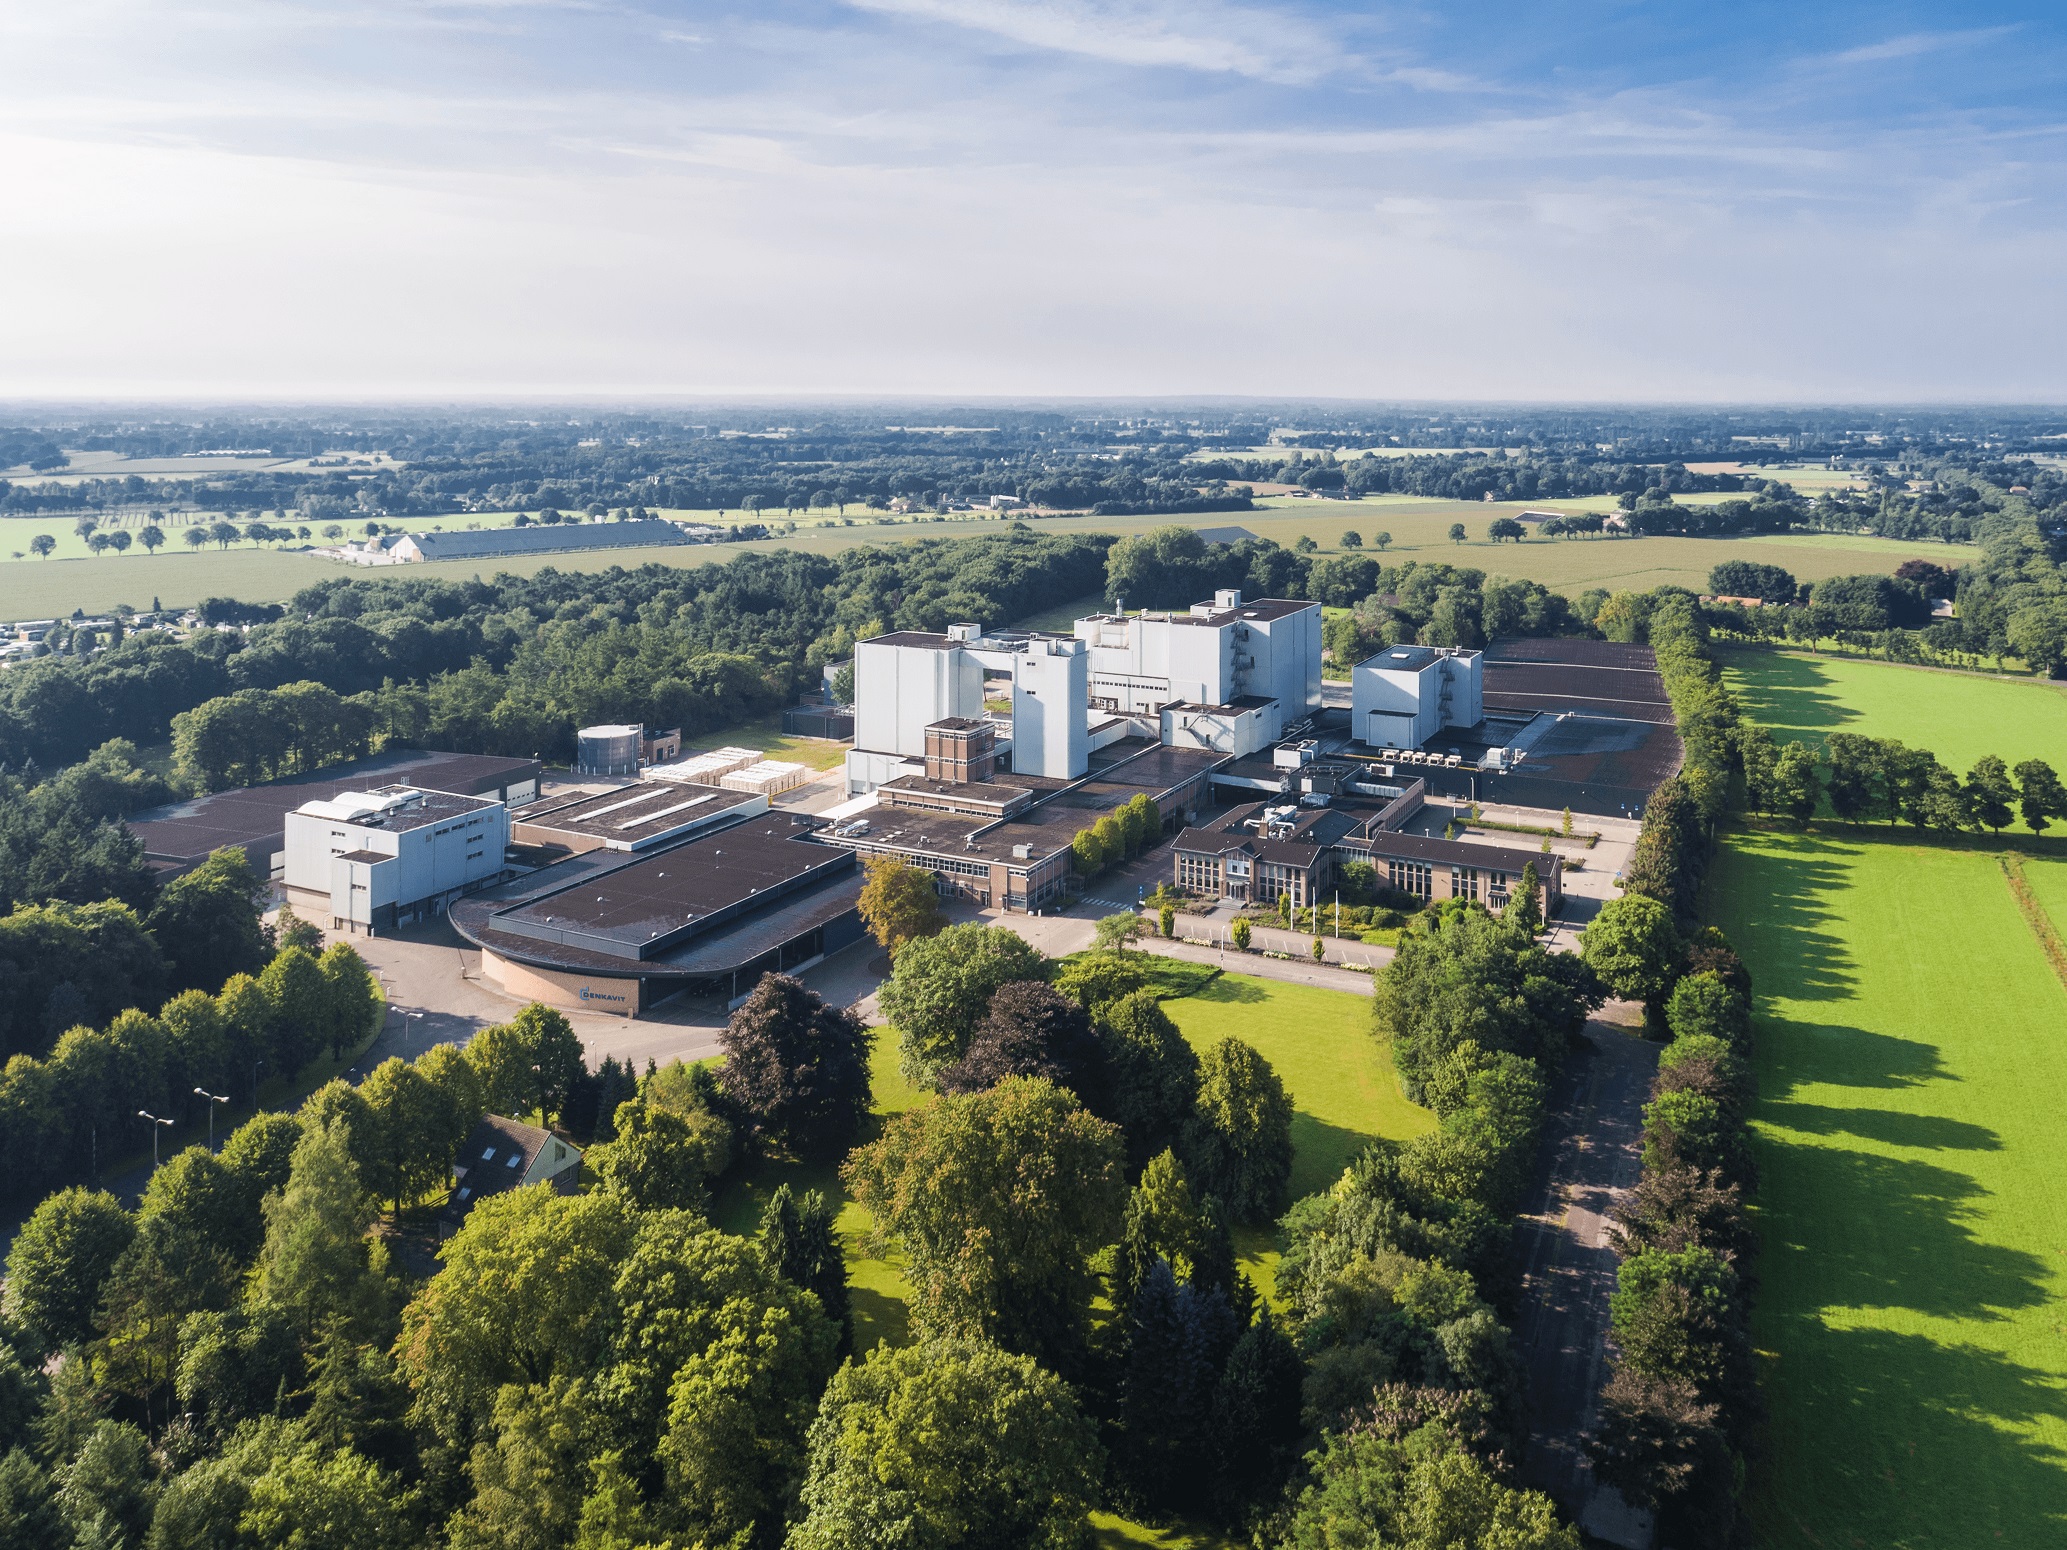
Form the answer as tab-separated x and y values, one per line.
1413	877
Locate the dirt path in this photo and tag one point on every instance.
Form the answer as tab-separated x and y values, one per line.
1592	1154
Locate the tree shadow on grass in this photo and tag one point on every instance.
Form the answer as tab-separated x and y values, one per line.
1898	1440
1789	694
1320	1151
1785	926
1231	988
1890	1127
878	1317
1855	1230
1794	1055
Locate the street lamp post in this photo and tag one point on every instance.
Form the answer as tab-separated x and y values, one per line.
155	1123
256	1067
213	1100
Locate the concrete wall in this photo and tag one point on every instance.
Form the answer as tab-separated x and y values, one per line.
1050	710
1287	652
901	690
441	858
560	987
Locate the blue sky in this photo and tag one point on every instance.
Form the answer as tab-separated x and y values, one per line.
1581	201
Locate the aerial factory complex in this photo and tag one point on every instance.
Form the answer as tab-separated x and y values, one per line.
662	874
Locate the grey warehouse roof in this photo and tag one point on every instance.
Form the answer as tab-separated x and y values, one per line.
485	543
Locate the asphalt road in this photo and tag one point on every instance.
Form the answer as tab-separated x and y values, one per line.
1593	1154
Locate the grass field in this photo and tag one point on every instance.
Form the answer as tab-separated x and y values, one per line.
767	735
1913	1196
2047	876
1420	527
1957	716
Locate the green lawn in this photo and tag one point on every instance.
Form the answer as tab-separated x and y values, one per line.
767	735
2047	876
878	1284
1341	1080
1913	1197
1957	716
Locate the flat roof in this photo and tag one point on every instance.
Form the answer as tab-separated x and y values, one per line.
403	811
642	908
1604	678
995	792
632	816
1404	659
181	834
916	638
961	724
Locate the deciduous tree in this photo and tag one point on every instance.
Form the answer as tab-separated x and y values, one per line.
946	1444
899	903
1239	1140
60	1261
999	1200
1029	1030
796	1068
941	989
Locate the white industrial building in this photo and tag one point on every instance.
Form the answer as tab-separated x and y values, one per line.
383	857
1406	695
910	680
1220	653
1227	676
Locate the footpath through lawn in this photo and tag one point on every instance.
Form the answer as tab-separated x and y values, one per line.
1913	1199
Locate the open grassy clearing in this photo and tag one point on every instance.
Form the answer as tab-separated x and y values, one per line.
1341	1080
767	735
1913	1196
2047	877
1112	1533
1957	716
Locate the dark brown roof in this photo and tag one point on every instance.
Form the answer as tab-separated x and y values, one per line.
911	638
645	908
496	1155
254	818
1429	848
1602	678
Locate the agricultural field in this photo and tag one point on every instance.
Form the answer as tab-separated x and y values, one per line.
1913	1191
1957	716
31	588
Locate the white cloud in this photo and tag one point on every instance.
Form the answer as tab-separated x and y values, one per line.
320	207
1911	45
1203	35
